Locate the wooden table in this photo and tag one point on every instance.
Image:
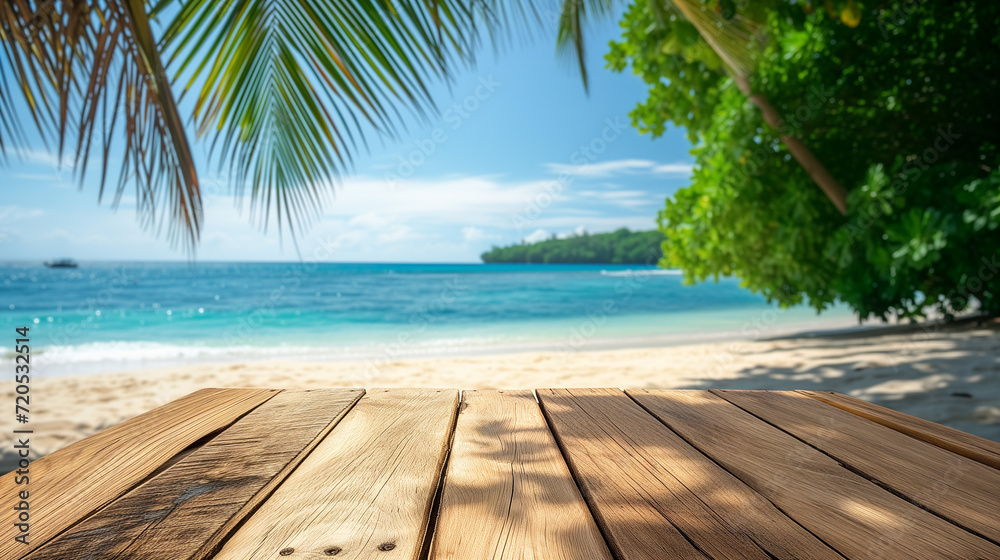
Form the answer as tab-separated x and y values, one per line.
247	474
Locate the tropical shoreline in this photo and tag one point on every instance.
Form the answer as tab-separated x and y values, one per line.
112	357
948	374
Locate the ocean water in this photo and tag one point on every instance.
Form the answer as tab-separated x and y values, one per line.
112	316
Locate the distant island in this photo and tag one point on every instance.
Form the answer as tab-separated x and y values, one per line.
618	247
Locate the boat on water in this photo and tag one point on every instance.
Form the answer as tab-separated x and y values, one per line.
61	263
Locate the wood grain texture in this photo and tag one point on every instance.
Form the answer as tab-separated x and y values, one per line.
75	481
974	447
653	493
366	490
508	493
850	513
186	510
955	487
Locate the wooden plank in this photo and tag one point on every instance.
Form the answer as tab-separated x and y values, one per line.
185	511
652	493
974	447
848	512
508	493
366	490
75	481
956	488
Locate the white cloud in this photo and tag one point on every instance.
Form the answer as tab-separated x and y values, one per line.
625	198
397	233
9	236
472	233
370	217
580	230
73	239
619	167
542	235
39	157
612	195
536	236
14	213
370	220
218	238
39	176
443	219
456	201
602	169
678	168
637	222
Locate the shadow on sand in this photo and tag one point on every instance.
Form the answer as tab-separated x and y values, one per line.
920	370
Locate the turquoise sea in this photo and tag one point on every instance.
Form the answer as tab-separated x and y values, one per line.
111	316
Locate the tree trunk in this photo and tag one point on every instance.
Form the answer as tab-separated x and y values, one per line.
802	154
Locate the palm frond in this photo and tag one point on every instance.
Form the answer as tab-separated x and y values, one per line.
90	76
184	194
730	37
572	20
286	89
11	133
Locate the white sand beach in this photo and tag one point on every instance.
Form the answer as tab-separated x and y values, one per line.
949	375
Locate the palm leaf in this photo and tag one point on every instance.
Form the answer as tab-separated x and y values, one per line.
288	90
185	196
572	20
730	38
90	75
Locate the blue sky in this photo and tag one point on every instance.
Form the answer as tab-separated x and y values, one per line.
519	151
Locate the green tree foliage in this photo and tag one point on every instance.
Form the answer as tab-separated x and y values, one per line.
618	247
899	105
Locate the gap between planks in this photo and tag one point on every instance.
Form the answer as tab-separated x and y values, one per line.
951	486
856	517
85	476
968	445
366	490
654	494
190	507
507	493
419	546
